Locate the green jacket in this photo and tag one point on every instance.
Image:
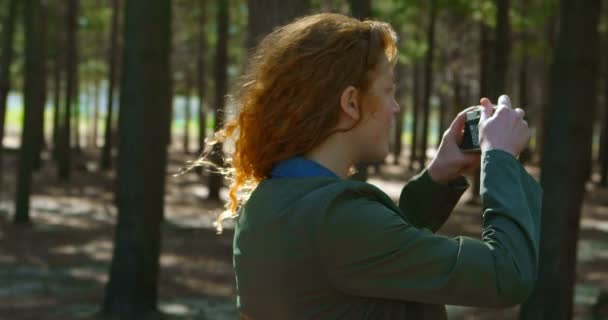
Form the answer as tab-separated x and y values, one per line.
327	248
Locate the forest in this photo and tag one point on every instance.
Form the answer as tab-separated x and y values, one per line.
104	103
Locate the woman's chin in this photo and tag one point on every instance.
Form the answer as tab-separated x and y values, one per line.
377	156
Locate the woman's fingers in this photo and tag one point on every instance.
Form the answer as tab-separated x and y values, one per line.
487	109
505	100
455	129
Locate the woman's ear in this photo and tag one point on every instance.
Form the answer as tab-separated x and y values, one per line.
349	103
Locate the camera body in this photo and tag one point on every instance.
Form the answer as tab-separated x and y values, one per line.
470	138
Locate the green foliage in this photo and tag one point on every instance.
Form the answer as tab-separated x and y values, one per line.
335	6
94	24
457	35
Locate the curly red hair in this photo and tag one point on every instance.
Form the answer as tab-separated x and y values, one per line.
290	94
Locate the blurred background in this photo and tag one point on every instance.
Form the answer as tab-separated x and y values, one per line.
103	102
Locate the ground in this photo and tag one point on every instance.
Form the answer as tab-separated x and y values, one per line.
57	267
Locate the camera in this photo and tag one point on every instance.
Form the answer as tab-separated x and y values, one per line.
470	138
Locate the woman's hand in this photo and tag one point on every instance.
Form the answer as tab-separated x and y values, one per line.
450	162
504	129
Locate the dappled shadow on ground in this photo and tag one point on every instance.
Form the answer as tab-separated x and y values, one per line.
51	268
57	267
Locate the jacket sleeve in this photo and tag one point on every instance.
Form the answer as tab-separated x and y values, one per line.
369	250
428	204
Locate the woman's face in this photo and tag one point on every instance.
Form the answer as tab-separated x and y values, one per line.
379	108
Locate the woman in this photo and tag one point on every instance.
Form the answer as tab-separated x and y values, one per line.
317	98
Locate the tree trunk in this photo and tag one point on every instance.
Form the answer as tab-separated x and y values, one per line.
57	47
202	80
76	106
415	114
526	154
550	32
428	81
132	290
502	46
8	32
603	157
458	101
57	72
87	103
399	95
485	90
442	115
604	134
361	9
187	116
106	153
96	90
566	159
39	127
221	66
493	53
265	15
71	83
33	86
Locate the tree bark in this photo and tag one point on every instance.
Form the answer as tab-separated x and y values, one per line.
415	114
458	101
87	105
106	153
524	42
428	81
442	115
132	290
361	9
33	86
550	35
604	137
485	89
202	80
6	60
187	117
399	95
566	159
71	82
96	91
76	107
265	15
502	46
526	154
57	72
221	65
39	127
